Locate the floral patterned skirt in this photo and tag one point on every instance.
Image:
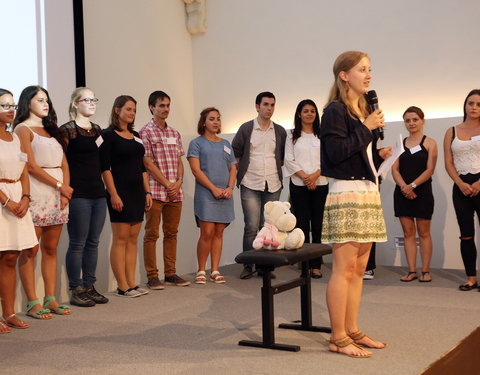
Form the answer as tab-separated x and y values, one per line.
353	216
45	205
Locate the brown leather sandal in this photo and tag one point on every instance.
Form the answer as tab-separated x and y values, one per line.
357	336
342	343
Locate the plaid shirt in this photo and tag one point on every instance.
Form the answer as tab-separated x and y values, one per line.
164	147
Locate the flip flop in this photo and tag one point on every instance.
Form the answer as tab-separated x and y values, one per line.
60	310
4	328
38	314
21	324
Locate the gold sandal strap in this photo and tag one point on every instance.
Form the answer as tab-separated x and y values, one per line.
342	342
357	335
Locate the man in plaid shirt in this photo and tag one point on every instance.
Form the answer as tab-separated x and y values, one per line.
163	160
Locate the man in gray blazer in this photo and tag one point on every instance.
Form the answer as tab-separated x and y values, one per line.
259	147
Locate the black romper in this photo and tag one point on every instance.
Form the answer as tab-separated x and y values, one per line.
412	166
124	158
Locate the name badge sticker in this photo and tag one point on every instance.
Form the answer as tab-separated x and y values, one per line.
138	140
23	157
99	141
316	142
476	138
415	149
227	150
171	141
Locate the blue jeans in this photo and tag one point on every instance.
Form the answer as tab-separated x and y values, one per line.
252	206
85	224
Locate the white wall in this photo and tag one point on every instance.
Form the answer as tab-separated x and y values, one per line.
421	55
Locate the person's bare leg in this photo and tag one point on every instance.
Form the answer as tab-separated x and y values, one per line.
204	244
131	254
120	233
217	244
343	267
48	246
410	245
26	270
423	228
355	295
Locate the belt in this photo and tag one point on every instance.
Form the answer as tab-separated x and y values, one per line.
8	181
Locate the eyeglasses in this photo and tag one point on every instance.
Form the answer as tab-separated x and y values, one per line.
89	100
7	107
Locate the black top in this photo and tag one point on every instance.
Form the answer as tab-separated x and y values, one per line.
83	160
124	158
344	143
413	165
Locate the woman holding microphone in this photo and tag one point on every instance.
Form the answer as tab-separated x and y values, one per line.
353	216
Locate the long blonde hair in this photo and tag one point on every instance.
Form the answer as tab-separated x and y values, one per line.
338	93
74	98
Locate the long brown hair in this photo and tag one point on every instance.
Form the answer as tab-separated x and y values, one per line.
339	90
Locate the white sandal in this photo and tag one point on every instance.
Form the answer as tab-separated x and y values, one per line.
201	277
217	277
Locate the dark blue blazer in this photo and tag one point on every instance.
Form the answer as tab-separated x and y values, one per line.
344	143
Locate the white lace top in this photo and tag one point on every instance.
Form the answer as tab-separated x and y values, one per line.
466	155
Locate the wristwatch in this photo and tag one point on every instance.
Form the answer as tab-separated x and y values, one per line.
59	185
414	185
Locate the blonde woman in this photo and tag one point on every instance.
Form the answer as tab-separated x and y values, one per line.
88	206
353	216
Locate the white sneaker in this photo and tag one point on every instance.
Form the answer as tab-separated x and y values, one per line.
141	290
368	275
130	293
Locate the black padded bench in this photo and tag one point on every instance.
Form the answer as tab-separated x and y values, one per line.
266	261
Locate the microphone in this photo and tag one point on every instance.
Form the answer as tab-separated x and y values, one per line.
372	99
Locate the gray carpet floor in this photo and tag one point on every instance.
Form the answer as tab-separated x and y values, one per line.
195	330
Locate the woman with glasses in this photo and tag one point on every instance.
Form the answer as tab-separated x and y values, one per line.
36	125
15	220
88	206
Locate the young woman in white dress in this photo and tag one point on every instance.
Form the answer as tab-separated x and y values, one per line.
15	220
36	125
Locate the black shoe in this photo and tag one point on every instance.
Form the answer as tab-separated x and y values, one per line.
247	273
95	296
467	287
261	273
79	297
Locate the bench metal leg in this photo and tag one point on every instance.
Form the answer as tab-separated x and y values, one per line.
268	324
306	306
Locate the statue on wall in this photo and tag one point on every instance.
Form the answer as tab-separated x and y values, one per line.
196	20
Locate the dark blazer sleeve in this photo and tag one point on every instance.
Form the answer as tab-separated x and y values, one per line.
238	142
342	138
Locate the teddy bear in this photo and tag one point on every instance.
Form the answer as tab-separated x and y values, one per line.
278	231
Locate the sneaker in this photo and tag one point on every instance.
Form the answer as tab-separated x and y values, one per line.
247	273
155	283
95	296
141	290
368	275
176	280
79	297
130	293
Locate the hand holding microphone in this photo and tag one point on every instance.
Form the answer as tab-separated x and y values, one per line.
375	120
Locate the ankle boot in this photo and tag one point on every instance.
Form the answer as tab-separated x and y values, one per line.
78	297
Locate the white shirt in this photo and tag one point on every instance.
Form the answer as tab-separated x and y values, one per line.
304	155
262	166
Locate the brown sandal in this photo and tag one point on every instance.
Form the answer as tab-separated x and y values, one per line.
14	321
357	336
342	343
